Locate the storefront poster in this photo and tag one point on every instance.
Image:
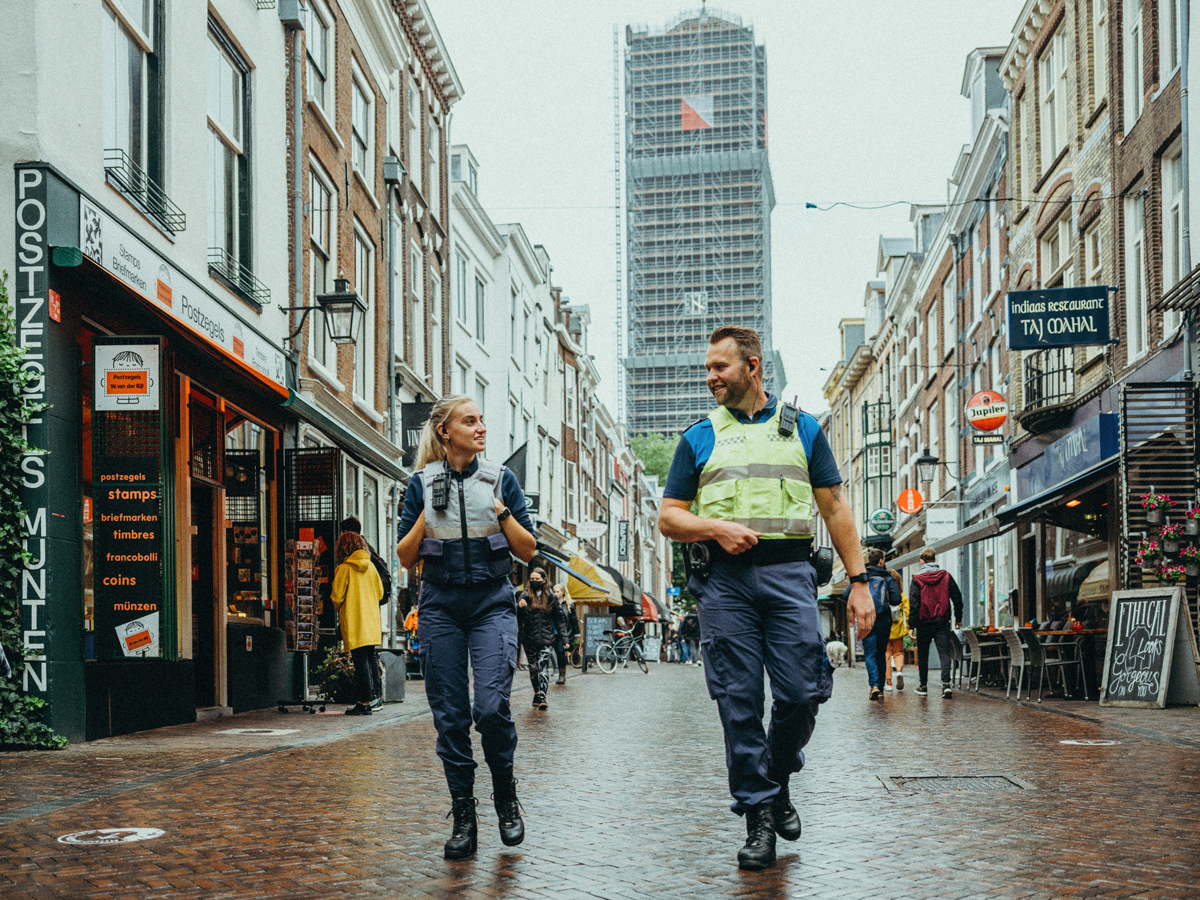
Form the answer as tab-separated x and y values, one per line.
139	636
940	522
124	255
1058	317
127	376
413	417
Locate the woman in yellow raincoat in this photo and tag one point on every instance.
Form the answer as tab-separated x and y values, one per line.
895	647
357	590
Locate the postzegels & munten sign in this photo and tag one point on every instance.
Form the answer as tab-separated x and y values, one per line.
1058	317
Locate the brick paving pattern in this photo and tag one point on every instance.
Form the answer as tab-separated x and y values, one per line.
624	788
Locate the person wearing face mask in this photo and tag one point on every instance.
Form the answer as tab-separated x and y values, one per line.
464	518
561	650
542	621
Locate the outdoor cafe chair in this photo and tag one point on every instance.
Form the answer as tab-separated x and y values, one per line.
1019	658
1041	661
981	655
958	657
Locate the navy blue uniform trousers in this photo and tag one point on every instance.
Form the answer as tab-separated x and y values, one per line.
753	617
457	623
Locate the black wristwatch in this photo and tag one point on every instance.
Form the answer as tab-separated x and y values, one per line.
500	517
860	578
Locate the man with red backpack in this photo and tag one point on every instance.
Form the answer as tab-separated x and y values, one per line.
932	591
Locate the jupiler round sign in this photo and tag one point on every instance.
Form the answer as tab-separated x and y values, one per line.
882	521
987	411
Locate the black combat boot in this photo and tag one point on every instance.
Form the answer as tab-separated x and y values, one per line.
787	820
465	836
508	811
759	850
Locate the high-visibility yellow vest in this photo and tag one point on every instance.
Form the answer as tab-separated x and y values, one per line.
757	478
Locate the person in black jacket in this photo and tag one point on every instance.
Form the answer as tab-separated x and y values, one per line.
885	591
542	622
930	596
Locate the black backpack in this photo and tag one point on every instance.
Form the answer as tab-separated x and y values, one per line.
384	575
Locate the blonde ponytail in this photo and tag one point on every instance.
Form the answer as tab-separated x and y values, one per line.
432	447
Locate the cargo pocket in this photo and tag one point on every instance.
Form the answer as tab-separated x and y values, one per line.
498	544
718	499
715	668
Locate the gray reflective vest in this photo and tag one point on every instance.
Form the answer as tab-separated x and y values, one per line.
464	543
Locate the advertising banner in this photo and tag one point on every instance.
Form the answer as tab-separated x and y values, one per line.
127	487
413	417
1058	317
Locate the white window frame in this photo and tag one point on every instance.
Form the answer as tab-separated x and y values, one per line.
1169	50
416	287
949	313
1052	96
413	109
1099	51
1174	255
364	346
460	287
480	308
226	134
121	36
1132	55
435	330
361	128
1093	261
319	37
1136	314
1057	255
435	168
321	349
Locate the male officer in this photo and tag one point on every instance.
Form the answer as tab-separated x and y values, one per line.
751	471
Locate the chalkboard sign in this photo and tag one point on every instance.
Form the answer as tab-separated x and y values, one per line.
594	627
1150	659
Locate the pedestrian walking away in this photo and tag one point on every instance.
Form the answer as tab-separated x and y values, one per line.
689	634
930	595
885	594
464	518
895	646
351	523
541	622
356	592
754	468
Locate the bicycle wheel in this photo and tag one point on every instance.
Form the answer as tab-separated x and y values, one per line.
635	653
576	657
606	658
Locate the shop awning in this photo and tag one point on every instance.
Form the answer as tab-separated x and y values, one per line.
599	589
989	527
629	591
1040	503
654	608
1063	585
560	562
344	438
1096	586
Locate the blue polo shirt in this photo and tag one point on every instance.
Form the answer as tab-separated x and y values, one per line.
510	493
696	446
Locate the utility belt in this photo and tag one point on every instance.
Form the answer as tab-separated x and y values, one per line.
700	557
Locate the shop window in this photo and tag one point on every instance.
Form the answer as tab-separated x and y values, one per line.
245	539
312	507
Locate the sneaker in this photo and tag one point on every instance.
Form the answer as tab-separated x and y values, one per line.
947	693
359	709
876	693
922	691
538	700
542	702
377	703
888	687
899	681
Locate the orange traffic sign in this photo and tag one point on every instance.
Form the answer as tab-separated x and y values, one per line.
909	501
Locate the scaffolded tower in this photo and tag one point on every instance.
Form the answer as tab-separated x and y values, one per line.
699	198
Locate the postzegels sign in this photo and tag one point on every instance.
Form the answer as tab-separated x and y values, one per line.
1058	317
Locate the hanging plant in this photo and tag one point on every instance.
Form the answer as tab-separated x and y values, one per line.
1147	550
21	725
1157	501
1171	574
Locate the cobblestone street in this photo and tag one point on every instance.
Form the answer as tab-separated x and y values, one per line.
624	789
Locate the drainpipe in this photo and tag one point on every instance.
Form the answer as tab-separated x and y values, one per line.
295	25
393	172
1187	189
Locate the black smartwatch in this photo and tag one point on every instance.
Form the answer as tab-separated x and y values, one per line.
500	517
860	578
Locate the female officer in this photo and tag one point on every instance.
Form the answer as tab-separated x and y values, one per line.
462	518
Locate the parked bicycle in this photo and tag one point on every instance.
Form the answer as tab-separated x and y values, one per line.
621	647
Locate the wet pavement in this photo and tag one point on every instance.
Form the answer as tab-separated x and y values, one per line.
623	784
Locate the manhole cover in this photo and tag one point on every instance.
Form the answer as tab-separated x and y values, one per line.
268	731
111	836
948	784
1091	743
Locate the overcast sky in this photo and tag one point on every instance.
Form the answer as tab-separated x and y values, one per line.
863	104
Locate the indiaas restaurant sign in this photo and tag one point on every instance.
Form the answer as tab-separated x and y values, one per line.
1059	317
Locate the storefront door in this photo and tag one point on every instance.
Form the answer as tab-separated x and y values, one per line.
205	607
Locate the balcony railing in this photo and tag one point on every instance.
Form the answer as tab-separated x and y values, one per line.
239	279
128	177
1049	386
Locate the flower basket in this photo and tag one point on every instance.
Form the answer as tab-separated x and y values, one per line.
1148	550
1154	504
1154	516
1190	554
1171	574
1191	527
1192	569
